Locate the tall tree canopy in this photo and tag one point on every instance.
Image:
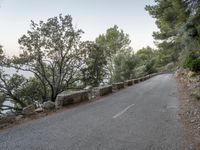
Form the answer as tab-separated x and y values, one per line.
50	50
179	30
93	70
114	41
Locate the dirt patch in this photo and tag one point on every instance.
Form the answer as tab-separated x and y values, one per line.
189	112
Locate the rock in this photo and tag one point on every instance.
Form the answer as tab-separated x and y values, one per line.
29	110
196	93
176	74
49	105
194	79
191	74
39	110
181	72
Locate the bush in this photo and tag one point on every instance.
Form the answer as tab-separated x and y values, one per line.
195	65
150	67
192	64
140	71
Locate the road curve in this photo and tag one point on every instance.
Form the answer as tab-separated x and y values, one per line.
140	117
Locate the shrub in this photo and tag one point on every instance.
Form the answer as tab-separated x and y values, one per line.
195	65
140	71
192	63
150	67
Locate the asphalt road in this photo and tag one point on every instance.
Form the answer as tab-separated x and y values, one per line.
140	117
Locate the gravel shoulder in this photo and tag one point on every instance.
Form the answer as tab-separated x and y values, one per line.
189	112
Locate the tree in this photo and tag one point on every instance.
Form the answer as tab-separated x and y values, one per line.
93	71
16	91
10	87
19	92
147	61
114	41
178	21
124	64
50	50
145	54
170	17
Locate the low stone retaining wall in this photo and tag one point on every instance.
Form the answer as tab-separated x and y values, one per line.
135	81
141	79
146	77
104	90
71	97
118	86
129	82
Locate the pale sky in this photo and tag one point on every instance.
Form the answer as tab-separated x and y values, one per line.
92	16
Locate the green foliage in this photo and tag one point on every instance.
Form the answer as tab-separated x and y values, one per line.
140	71
32	91
50	50
124	64
179	30
147	60
170	67
193	63
93	71
150	67
10	88
145	54
114	41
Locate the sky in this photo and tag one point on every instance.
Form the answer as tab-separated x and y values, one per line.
92	16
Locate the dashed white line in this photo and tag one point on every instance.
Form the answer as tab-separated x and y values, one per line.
123	111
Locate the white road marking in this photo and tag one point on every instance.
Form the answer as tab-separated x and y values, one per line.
123	111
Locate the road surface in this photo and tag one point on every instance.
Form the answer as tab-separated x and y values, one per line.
140	117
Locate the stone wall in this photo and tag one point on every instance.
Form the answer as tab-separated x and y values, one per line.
118	86
105	90
129	82
71	97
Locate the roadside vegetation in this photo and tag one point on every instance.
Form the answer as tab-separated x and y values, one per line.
178	37
53	52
